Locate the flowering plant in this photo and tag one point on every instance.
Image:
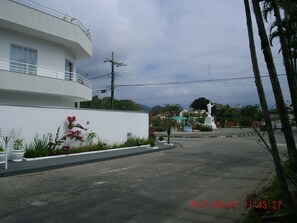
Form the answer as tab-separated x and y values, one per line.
71	133
53	143
152	133
66	147
74	135
71	124
71	120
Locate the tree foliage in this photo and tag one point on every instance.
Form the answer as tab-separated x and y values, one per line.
289	22
249	115
104	103
226	114
162	123
199	104
168	108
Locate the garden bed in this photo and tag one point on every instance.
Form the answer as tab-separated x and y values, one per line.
44	147
82	153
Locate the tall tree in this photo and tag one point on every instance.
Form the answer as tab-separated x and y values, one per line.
292	81
249	114
273	146
225	114
286	34
199	104
289	22
277	91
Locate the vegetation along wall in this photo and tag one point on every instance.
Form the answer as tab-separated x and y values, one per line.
109	126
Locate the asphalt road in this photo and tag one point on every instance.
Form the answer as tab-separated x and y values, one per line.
202	180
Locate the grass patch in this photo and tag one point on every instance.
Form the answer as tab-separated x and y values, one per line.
268	204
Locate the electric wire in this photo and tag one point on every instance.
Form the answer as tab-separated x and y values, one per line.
188	81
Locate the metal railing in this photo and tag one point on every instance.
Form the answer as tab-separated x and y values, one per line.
52	12
32	69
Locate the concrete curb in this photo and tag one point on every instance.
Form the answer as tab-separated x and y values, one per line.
41	168
215	136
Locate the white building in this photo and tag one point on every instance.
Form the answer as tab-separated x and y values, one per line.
39	48
39	85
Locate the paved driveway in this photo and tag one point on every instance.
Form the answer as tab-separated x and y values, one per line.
203	180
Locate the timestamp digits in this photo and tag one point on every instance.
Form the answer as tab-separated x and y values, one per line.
263	204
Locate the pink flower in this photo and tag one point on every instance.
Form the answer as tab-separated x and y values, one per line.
74	134
71	118
66	147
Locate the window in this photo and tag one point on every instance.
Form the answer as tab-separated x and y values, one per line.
68	70
23	60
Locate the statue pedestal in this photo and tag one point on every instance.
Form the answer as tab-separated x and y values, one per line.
209	121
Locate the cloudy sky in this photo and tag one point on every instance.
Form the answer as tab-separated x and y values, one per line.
195	47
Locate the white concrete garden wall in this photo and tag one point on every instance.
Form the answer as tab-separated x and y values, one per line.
110	126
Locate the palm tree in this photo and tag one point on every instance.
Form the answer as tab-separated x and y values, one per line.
289	23
279	99
273	146
287	33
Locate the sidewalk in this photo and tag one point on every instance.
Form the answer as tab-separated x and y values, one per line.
17	168
216	133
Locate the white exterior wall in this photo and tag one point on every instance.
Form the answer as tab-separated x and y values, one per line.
49	55
110	126
36	23
29	99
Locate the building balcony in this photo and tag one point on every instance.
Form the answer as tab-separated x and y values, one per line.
36	20
16	77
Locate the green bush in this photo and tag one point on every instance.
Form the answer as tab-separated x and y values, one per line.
204	128
135	141
161	138
152	142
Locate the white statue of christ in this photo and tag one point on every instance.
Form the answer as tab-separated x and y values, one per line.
209	106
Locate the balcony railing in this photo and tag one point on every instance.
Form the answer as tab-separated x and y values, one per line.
52	12
32	69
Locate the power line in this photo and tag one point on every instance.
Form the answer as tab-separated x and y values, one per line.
192	81
162	70
96	77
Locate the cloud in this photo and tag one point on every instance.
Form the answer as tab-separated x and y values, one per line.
169	41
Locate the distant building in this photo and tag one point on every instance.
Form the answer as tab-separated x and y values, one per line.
275	119
39	48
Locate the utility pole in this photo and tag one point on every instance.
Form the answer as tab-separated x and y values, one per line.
117	64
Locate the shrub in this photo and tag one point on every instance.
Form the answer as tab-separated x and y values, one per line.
101	145
161	138
39	147
135	141
204	128
152	142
